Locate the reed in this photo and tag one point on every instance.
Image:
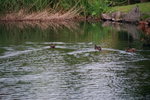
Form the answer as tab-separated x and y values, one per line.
43	15
87	7
71	25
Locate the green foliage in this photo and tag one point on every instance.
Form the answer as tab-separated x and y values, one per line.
88	7
97	7
117	2
15	5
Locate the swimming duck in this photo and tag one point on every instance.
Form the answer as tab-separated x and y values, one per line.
52	46
97	47
130	50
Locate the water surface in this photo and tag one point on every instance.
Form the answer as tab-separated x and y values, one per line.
74	70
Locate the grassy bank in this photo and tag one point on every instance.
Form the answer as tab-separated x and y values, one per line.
144	8
59	9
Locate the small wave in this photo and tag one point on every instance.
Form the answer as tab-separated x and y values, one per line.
21	52
103	49
55	43
120	51
86	43
48	43
15	53
81	51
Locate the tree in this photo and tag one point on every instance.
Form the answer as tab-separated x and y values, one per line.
129	1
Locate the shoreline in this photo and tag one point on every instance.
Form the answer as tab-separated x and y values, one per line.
81	18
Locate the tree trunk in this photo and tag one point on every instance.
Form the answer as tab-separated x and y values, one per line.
129	2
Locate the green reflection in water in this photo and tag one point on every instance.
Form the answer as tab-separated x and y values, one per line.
86	32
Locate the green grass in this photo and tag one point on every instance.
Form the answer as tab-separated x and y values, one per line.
144	7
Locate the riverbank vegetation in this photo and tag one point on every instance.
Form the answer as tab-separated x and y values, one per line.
60	9
144	8
87	7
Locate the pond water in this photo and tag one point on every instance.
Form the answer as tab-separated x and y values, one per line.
74	70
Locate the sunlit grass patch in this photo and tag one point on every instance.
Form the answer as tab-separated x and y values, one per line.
144	7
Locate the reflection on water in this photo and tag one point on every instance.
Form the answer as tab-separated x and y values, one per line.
74	70
129	28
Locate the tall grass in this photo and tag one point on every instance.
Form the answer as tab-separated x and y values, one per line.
15	5
88	7
43	15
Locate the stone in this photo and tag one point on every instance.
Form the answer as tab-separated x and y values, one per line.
106	17
133	16
117	16
148	20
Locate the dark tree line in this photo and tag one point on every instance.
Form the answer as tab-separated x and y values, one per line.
124	2
135	1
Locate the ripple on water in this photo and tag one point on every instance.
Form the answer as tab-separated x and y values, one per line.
71	72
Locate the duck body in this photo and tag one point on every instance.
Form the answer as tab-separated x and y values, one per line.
130	50
98	48
52	46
